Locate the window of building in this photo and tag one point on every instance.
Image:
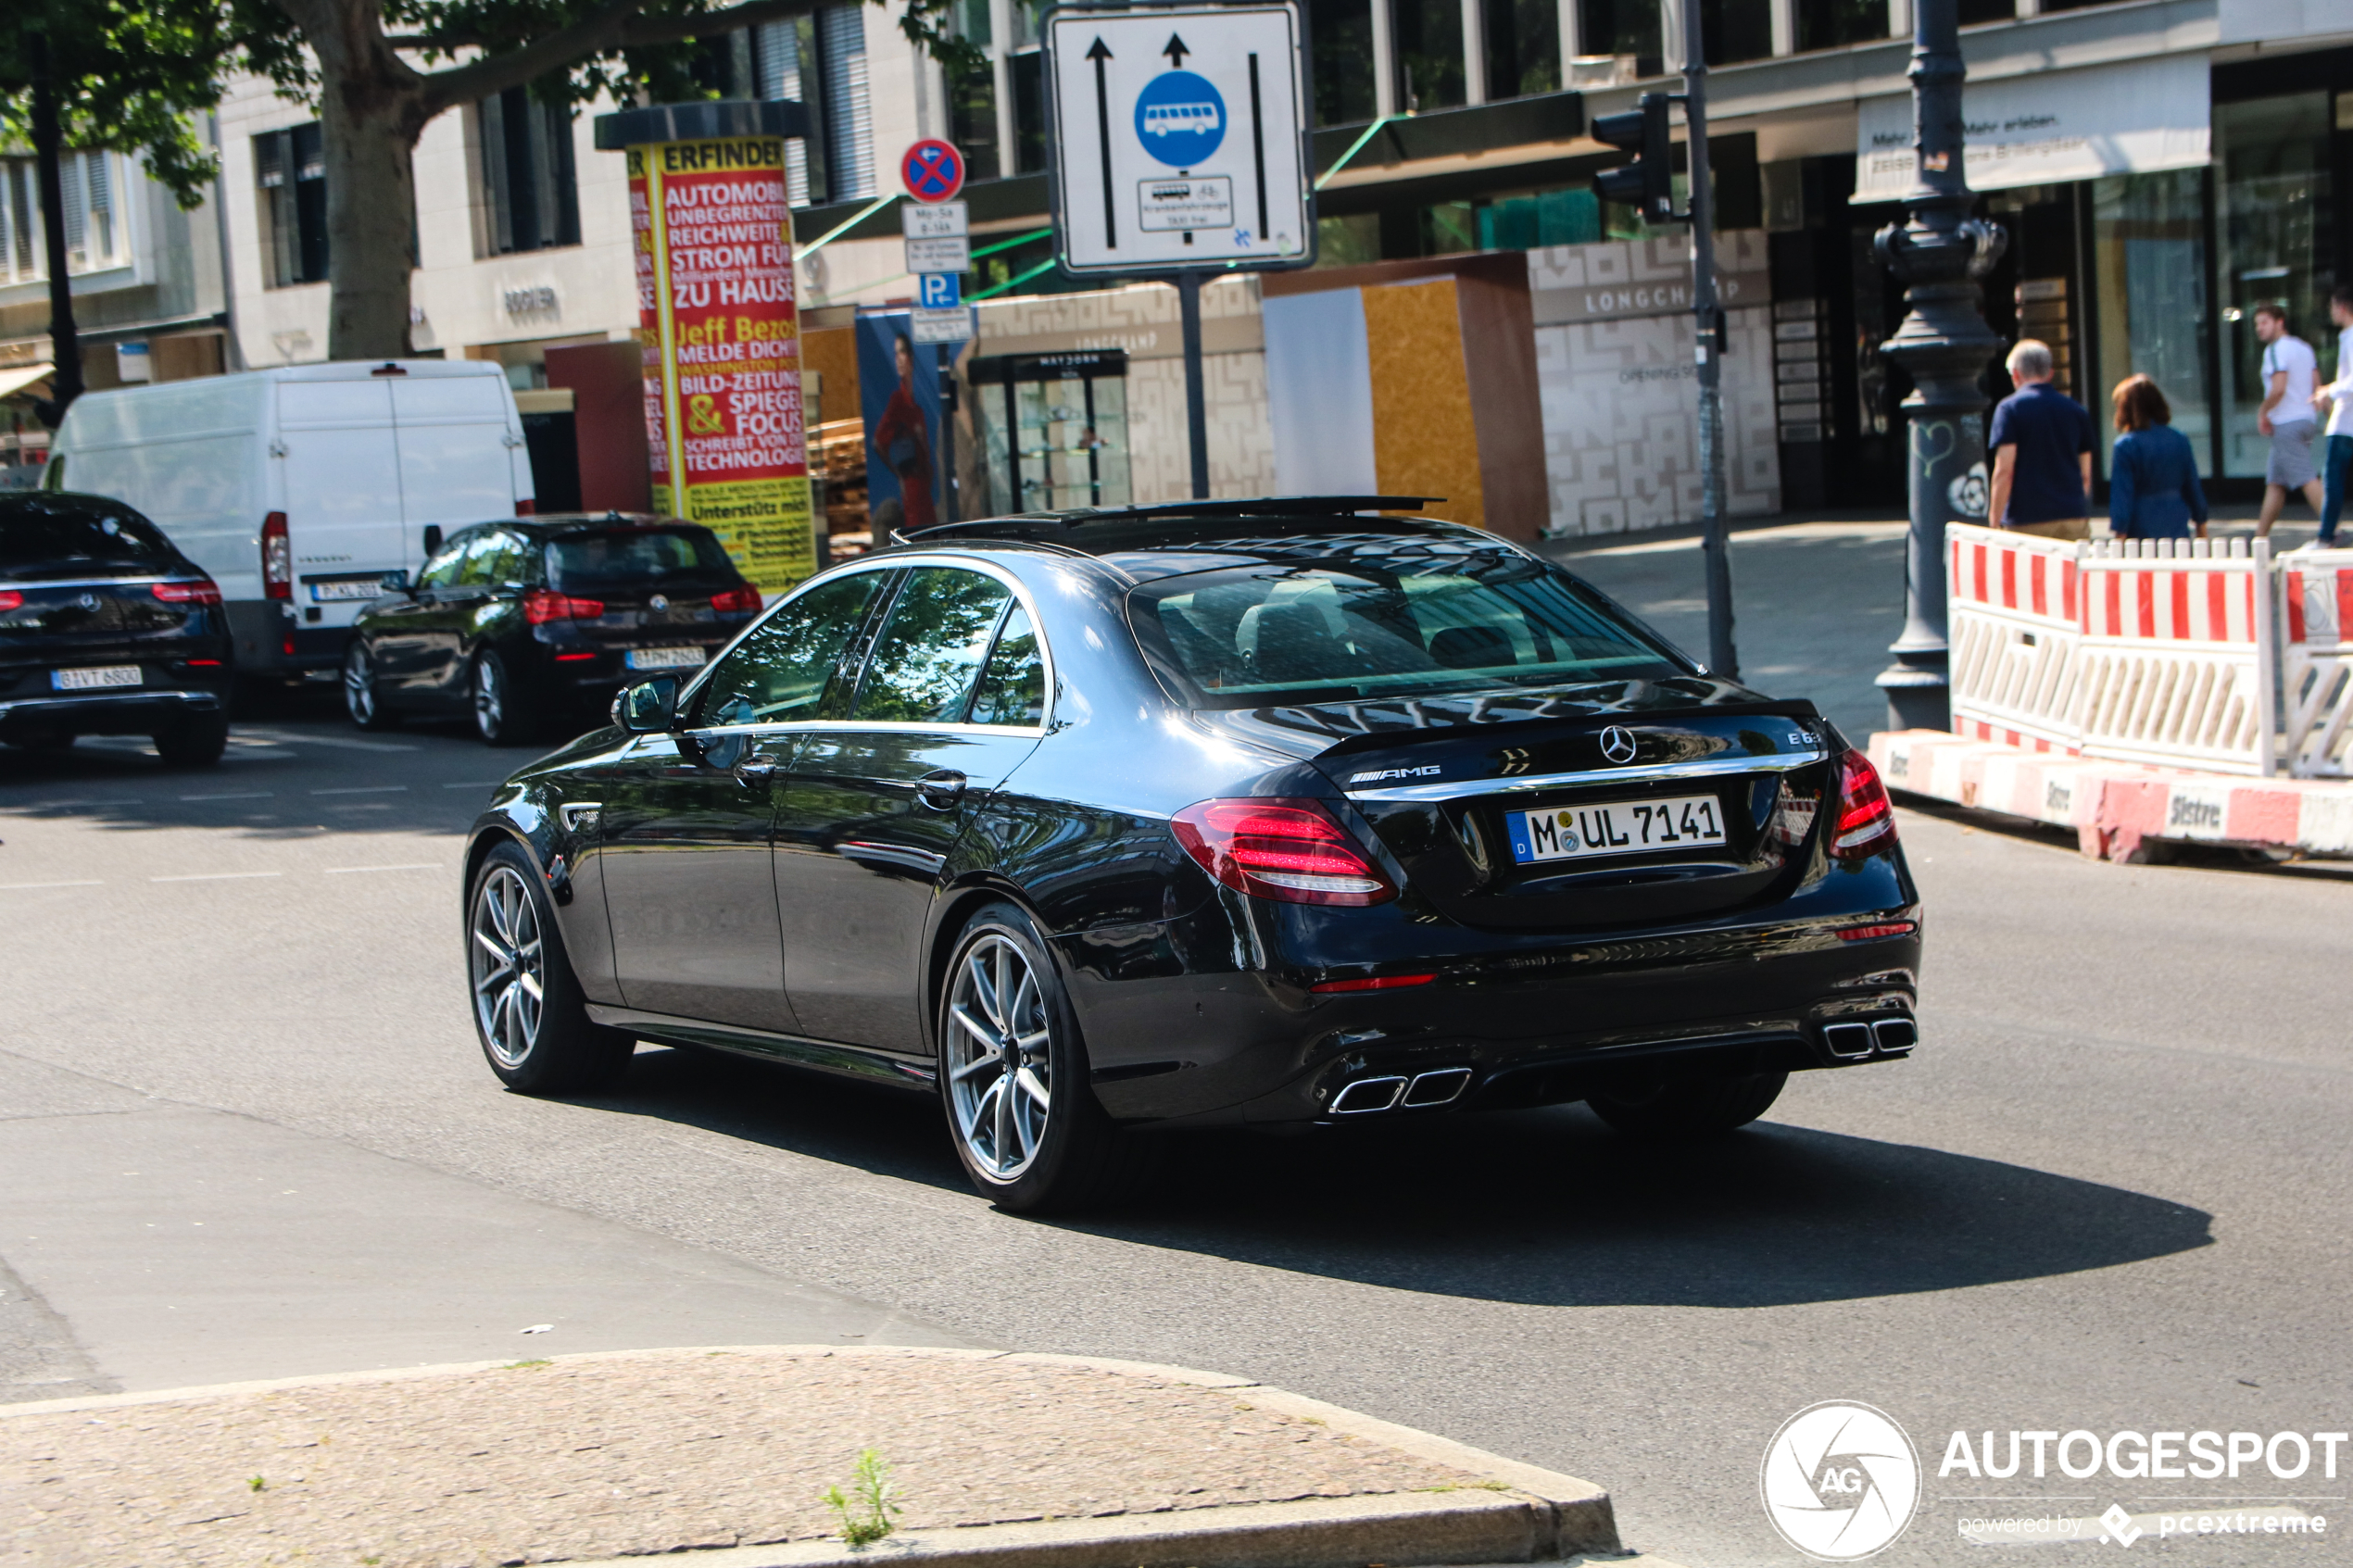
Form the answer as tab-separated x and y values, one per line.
972	94
1339	37
531	191
849	125
1735	30
1630	27
1428	35
290	171
97	237
1523	46
2271	219
1833	24
819	62
785	70
2149	273
1027	73
1975	11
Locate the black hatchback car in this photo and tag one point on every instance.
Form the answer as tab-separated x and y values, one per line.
1215	814
526	624
106	629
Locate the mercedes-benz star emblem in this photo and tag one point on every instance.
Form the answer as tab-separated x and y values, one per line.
1618	744
659	601
88	601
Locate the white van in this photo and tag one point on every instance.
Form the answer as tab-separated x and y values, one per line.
299	489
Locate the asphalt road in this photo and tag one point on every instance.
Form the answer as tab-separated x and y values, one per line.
248	1135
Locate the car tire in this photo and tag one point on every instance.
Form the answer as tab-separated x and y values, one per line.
491	693
362	694
1049	1148
542	1044
1690	1107
196	742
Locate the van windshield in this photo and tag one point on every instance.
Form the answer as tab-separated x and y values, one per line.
50	535
1339	631
634	557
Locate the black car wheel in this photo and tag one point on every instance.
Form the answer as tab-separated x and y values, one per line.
529	1013
360	697
195	742
1012	1070
496	718
1690	1107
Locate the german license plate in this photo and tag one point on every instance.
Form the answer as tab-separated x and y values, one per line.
342	590
1615	827
663	658
95	678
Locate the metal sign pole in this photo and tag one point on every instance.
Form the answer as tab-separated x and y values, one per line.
1196	397
1723	658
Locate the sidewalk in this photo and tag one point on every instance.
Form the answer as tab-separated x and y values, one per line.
1027	1458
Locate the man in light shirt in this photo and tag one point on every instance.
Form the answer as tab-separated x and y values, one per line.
2290	370
2335	400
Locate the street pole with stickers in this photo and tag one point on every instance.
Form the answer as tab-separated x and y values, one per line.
1180	153
937	237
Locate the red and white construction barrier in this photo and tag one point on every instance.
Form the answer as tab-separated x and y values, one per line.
2117	810
2316	677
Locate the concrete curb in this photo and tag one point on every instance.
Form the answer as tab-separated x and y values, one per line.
1522	1512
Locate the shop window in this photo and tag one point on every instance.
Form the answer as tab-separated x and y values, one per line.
785	67
1428	35
1053	429
848	118
1028	72
1735	30
1523	47
1833	24
2148	284
290	171
1627	27
1549	217
2272	220
531	192
1339	36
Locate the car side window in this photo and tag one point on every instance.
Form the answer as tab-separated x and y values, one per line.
493	557
779	672
1013	689
440	569
929	654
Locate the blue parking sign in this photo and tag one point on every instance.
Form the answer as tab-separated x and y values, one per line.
939	291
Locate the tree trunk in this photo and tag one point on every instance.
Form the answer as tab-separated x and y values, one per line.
64	343
372	229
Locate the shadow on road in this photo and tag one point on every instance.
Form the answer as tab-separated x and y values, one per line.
1544	1208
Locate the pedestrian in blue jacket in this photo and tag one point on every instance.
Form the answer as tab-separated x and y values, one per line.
2152	480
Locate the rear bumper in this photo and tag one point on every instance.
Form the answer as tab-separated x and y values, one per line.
106	713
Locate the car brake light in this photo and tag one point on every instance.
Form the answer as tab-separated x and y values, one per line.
1873	933
737	601
277	558
203	591
542	604
1288	850
1373	982
1865	822
573	658
10	599
526	507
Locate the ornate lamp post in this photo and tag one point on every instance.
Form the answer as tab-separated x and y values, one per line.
1940	252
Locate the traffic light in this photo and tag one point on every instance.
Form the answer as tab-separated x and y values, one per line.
1645	184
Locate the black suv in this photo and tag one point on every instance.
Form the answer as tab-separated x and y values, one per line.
106	629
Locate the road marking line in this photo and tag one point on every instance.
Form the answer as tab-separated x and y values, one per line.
366	789
231	794
354	871
29	886
216	876
475	784
282	737
76	805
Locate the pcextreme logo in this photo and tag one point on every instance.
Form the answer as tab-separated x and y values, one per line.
1840	1481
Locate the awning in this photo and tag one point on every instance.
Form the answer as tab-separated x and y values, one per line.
19	377
2050	126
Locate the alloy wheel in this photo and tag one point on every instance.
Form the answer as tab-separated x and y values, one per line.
360	684
1000	1074
510	966
490	700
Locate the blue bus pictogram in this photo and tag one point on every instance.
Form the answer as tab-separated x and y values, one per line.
1180	119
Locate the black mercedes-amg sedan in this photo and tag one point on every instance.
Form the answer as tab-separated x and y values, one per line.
1215	814
106	629
527	624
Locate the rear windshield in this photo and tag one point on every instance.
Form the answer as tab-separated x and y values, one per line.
1366	627
627	557
52	535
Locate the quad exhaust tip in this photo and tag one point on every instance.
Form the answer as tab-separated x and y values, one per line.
1367	1096
1853	1042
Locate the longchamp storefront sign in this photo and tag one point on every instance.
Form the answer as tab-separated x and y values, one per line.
2050	127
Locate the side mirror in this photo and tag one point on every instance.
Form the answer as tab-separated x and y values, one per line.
649	708
432	537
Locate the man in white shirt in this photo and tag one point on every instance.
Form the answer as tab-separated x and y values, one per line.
2336	401
2290	369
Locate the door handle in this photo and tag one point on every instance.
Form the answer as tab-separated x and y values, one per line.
755	771
941	789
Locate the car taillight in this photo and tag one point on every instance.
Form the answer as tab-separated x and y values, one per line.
1290	850
10	599
1866	822
526	507
542	604
737	601
277	558
203	591
1371	983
